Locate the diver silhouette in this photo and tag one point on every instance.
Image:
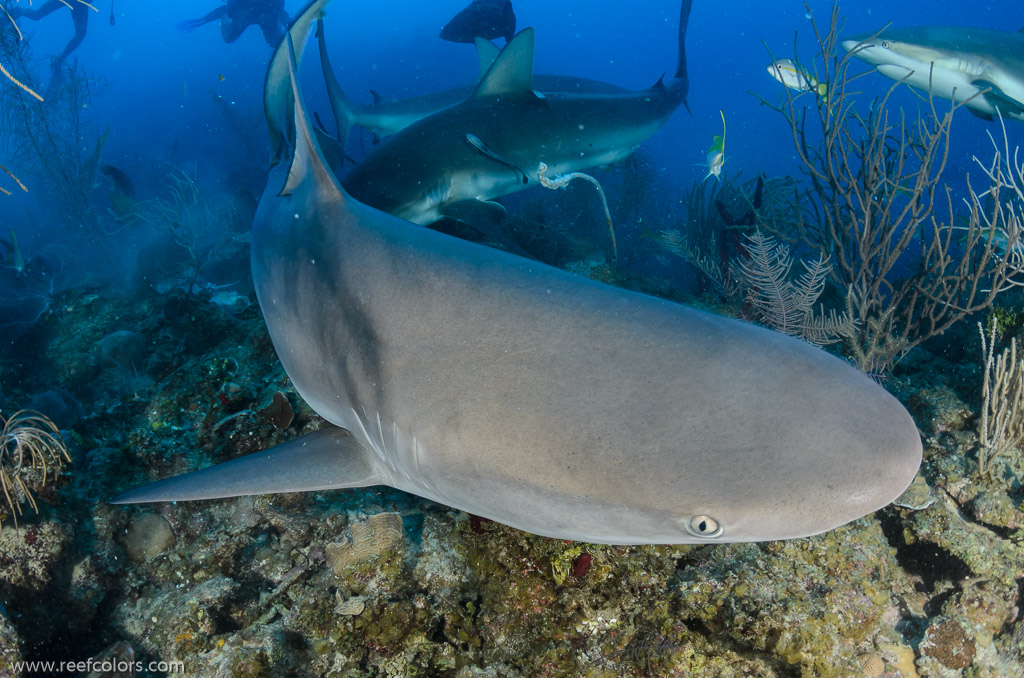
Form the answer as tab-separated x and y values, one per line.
79	16
237	15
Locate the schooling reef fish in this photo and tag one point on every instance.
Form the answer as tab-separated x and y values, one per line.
959	63
438	167
488	19
531	396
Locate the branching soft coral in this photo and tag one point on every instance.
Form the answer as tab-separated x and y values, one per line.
29	441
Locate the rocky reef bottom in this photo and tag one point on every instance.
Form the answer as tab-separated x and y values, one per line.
379	583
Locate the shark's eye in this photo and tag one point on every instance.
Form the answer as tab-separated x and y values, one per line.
886	44
704	526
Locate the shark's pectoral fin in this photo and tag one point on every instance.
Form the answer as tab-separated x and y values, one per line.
327	459
1006	104
484	215
981	114
487	152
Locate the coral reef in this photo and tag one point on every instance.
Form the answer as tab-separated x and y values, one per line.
374	582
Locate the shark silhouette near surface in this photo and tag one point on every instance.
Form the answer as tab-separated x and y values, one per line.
958	63
488	19
532	396
456	162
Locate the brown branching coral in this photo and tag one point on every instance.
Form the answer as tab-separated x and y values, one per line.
16	180
191	224
1001	427
29	441
877	199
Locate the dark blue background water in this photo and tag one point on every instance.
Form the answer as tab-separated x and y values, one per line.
160	82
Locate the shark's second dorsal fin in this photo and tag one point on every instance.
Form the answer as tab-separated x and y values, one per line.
308	159
486	53
512	71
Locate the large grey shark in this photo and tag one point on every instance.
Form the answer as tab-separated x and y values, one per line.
534	397
385	117
961	63
455	162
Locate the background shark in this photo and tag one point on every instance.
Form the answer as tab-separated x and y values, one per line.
454	163
488	19
385	117
961	62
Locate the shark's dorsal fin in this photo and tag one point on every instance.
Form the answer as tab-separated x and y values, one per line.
277	105
308	160
377	97
512	71
486	53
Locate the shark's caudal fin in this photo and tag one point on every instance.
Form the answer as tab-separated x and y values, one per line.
328	459
512	70
343	110
277	104
681	75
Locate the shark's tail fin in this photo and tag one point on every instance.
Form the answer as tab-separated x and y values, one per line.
681	77
344	112
278	104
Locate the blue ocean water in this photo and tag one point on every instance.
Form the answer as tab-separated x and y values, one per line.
159	82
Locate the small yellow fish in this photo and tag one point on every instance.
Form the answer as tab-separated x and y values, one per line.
796	77
716	154
220	77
